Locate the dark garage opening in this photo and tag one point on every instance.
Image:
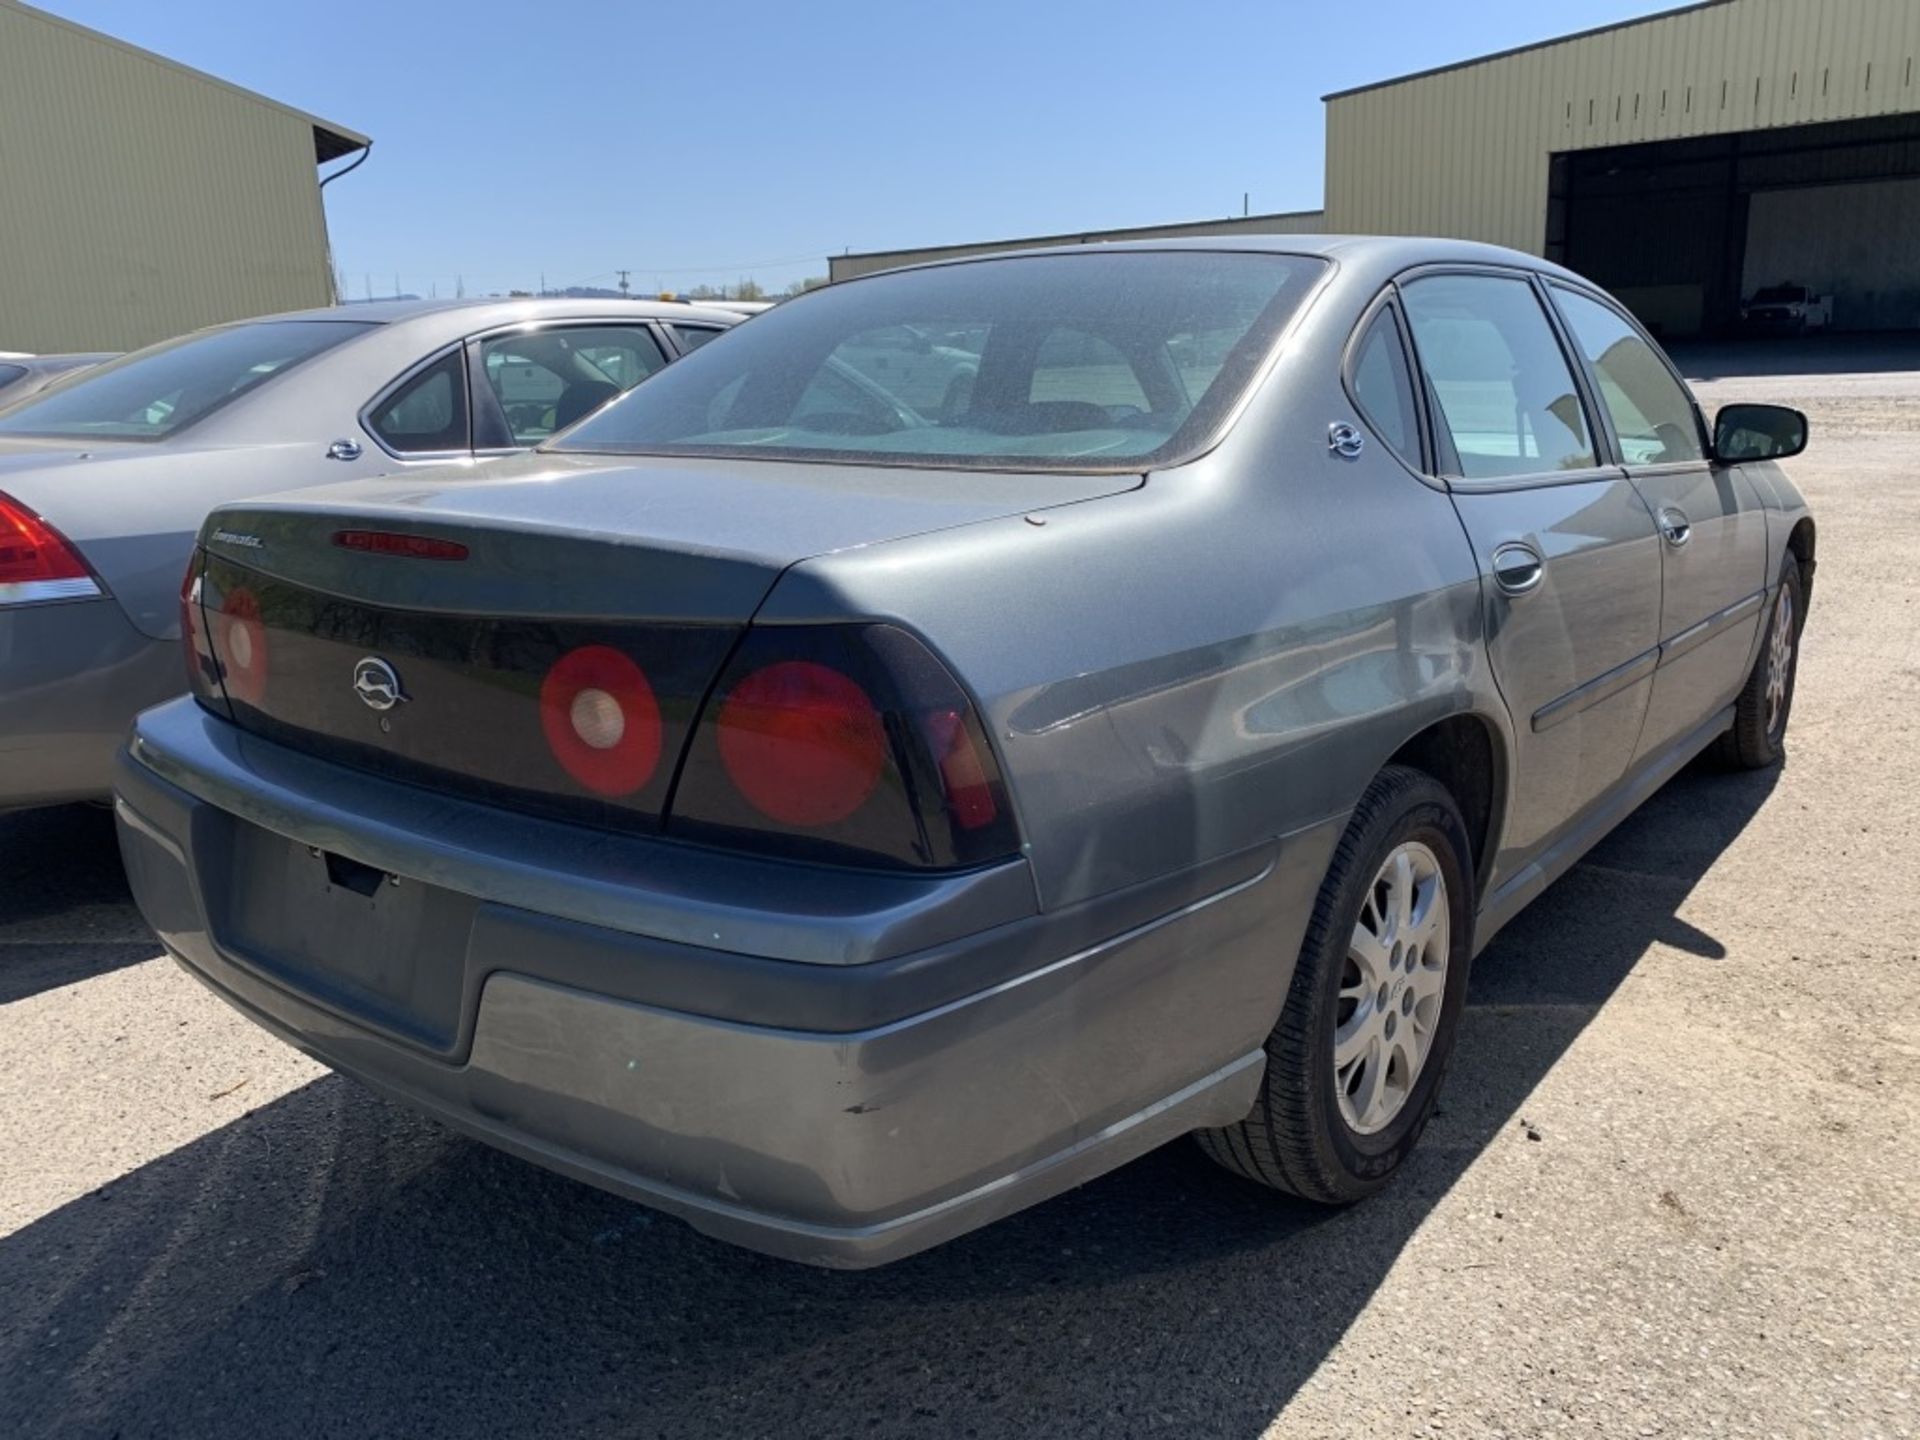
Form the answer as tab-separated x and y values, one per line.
1685	230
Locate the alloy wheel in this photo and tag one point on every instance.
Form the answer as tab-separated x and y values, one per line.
1779	659
1391	988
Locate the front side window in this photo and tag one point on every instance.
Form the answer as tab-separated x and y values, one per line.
1651	413
156	392
1383	387
1499	376
546	380
1080	362
427	414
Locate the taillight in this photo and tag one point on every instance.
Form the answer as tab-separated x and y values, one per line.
203	672
601	720
239	644
848	742
36	562
802	743
409	547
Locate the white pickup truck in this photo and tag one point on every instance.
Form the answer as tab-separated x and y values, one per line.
1787	307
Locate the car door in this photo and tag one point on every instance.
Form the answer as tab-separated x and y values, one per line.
1713	529
1568	552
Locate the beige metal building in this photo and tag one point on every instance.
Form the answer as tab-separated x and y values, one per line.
1296	222
139	198
1684	160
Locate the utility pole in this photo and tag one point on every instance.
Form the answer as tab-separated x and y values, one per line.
459	287
623	282
368	279
543	283
1246	197
396	284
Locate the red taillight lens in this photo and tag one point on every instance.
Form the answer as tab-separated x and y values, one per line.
601	720
802	743
843	742
203	675
240	646
410	547
963	774
36	562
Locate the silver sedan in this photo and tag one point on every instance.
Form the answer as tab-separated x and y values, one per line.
105	479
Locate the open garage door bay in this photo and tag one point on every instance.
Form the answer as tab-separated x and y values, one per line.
1686	230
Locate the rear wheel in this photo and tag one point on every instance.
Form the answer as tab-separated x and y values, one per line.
1354	1065
1758	736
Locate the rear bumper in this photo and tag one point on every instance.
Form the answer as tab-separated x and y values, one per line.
841	1114
72	677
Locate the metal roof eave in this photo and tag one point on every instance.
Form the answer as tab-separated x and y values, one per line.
1509	53
330	141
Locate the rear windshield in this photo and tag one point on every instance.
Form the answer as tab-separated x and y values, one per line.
1080	362
152	393
1777	293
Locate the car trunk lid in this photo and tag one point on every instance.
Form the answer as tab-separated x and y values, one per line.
445	629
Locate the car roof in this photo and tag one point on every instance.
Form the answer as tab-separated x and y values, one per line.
481	313
1385	253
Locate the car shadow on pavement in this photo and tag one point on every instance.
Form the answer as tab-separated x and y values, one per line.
330	1264
65	911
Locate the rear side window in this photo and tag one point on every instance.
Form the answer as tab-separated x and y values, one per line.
427	413
1651	414
1383	387
156	392
1501	380
692	337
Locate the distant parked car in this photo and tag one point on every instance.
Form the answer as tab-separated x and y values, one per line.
842	823
740	307
24	375
105	479
1789	308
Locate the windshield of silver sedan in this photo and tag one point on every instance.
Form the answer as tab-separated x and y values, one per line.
1121	360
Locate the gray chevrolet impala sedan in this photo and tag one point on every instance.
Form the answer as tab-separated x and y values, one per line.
972	725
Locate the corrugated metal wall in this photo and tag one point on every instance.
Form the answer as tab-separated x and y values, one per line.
1297	222
138	200
1464	152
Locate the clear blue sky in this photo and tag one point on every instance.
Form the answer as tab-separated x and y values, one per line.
697	142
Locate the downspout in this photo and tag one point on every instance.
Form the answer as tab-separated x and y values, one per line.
333	277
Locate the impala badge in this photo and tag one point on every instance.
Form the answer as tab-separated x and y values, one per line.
377	684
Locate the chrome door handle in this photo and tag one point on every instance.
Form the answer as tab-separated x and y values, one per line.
1518	569
343	450
1675	528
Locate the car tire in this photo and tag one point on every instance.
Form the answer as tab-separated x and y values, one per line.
1757	738
1310	1132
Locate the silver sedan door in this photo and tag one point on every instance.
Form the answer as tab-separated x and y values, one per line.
1568	551
1713	530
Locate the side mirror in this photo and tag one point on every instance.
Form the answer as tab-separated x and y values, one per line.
1758	432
